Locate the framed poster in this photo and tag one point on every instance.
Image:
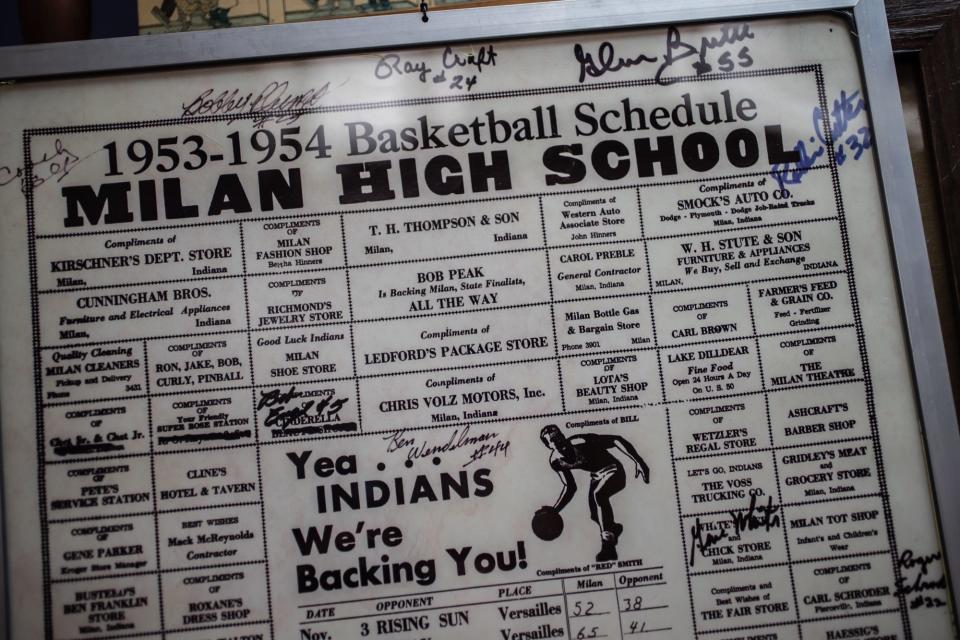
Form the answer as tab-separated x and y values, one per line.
561	321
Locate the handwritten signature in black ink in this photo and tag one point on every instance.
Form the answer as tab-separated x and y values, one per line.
54	164
392	64
921	582
484	444
281	413
763	516
606	60
274	103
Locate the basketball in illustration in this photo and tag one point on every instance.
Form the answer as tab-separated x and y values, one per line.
547	523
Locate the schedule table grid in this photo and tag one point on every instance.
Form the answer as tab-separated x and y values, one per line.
153	491
584	609
337	212
861	340
256	434
553	317
776	468
355	268
50	347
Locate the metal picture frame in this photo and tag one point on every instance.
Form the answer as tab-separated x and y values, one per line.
925	40
868	19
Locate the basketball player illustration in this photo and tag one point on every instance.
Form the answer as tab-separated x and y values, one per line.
592	453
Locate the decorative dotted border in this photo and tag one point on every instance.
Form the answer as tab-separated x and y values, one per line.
503	307
143	514
501	363
38	391
553	312
256	436
800	621
418	102
168	632
431	205
153	489
353	348
776	467
858	496
133	574
861	343
790	563
433	427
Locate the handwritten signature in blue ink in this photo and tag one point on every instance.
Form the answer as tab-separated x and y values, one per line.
846	108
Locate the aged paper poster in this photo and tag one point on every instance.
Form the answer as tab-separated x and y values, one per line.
578	337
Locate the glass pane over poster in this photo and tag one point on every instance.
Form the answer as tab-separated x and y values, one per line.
565	337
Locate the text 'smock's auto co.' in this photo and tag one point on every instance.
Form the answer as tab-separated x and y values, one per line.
571	337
